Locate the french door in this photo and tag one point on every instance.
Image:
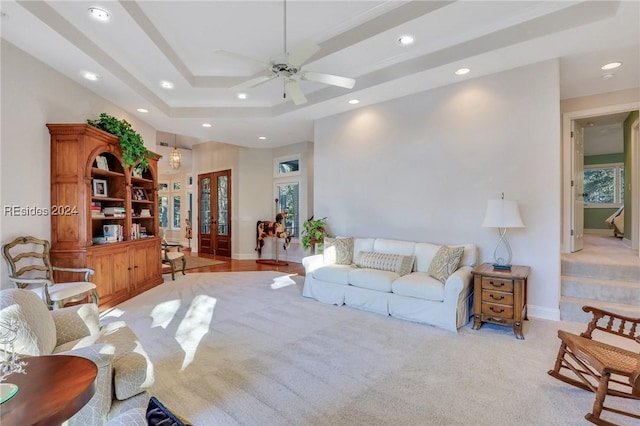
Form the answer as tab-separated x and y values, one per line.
214	218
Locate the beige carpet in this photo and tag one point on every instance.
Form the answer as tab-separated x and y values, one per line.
230	350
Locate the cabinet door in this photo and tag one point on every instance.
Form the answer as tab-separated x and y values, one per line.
111	265
146	263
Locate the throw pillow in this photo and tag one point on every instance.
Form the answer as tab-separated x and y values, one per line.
445	262
159	415
338	250
401	265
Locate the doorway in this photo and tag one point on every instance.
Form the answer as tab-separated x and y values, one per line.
214	218
573	216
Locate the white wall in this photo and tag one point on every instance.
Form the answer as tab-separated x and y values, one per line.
34	94
423	167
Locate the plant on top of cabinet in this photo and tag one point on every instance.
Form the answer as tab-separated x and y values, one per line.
133	149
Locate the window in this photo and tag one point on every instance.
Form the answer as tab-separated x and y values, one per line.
289	199
163	207
286	166
176	212
604	185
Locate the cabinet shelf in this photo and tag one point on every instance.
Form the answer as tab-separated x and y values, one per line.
106	173
142	201
108	218
118	200
141	180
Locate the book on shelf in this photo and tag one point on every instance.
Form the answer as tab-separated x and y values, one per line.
114	211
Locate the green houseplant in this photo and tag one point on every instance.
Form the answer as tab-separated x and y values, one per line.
313	231
133	149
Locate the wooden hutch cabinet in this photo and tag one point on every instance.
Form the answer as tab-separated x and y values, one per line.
106	214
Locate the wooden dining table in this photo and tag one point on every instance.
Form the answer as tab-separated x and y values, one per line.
54	388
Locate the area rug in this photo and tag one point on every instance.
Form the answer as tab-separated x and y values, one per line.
200	262
230	350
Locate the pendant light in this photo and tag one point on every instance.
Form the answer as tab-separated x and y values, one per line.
175	158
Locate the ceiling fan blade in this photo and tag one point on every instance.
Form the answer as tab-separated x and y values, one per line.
294	90
334	80
241	57
252	83
299	54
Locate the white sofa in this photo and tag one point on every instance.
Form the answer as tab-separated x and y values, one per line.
416	296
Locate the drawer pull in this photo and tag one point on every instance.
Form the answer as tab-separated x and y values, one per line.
496	285
493	296
493	309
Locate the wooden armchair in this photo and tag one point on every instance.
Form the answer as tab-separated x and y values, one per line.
171	255
601	367
30	268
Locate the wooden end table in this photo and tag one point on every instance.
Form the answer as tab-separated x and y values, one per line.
500	296
54	389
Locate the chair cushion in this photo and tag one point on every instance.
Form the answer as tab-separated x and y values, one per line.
173	255
36	328
132	369
63	291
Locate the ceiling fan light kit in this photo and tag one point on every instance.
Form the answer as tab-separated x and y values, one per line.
290	70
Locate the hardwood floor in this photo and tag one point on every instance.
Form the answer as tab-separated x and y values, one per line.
233	265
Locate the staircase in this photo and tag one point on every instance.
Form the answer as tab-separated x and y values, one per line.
605	274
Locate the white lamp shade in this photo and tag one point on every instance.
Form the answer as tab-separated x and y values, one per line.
502	214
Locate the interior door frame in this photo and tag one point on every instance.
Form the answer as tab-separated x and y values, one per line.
567	158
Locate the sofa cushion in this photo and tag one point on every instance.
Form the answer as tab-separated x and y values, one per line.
373	279
36	328
445	262
420	285
383	245
397	263
362	244
336	274
338	250
424	253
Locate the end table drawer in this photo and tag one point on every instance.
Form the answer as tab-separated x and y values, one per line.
497	297
492	283
502	311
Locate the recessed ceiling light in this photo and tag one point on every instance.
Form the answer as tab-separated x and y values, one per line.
166	84
406	40
90	76
206	125
354	101
142	110
462	71
99	14
242	96
607	76
611	66
262	138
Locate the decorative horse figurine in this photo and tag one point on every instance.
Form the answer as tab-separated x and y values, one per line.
272	229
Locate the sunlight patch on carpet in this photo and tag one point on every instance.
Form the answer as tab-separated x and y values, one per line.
283	281
195	326
164	312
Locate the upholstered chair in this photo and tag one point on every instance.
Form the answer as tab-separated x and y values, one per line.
30	267
125	371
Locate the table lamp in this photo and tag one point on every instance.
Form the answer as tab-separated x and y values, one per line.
502	214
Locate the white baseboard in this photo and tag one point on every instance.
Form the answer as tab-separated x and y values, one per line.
627	242
544	313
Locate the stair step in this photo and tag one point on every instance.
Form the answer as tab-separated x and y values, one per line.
625	292
571	308
618	272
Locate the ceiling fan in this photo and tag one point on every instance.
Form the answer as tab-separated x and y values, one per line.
289	68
